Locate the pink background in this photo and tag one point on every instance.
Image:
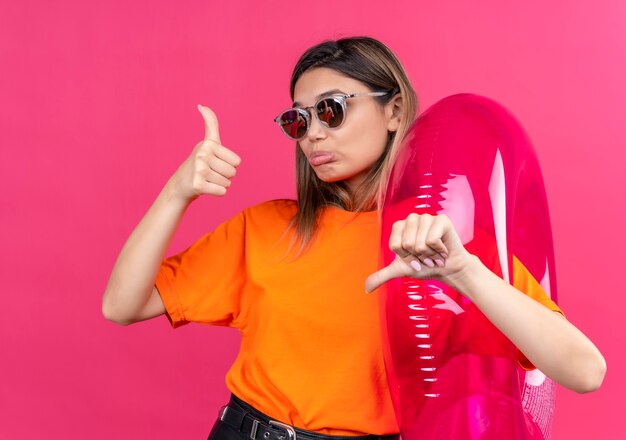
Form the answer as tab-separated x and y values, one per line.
98	108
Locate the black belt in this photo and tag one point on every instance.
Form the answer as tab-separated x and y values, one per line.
248	420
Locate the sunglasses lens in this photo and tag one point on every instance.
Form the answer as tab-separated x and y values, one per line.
293	124
330	112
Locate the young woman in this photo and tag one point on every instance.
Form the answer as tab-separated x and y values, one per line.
289	275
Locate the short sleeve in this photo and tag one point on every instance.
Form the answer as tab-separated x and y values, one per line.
204	283
524	281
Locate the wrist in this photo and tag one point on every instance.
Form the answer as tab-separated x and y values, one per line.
174	192
465	279
171	195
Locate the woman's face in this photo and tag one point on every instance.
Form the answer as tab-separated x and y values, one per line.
349	151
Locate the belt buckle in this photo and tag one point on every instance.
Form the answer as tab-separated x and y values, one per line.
290	431
223	412
255	426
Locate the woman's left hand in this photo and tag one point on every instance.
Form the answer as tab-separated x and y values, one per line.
426	247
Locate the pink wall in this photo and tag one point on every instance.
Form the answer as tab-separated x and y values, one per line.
98	108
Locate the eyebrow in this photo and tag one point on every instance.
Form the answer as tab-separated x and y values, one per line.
318	97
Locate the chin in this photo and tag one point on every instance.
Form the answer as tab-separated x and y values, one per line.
331	179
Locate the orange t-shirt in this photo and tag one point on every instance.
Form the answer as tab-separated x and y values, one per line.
311	350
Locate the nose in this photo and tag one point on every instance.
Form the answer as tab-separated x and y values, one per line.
316	130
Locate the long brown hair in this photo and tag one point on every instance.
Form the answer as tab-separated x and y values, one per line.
374	64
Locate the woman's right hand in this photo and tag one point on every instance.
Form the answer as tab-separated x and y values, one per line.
130	295
210	167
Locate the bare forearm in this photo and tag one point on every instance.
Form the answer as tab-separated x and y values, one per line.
548	340
134	272
130	295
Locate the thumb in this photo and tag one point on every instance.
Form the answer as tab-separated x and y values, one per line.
211	127
377	279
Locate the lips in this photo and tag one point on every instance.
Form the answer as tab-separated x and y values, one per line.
320	158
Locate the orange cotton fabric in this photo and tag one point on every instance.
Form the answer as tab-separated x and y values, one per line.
311	349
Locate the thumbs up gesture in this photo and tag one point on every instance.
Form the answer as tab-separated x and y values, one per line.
426	247
210	167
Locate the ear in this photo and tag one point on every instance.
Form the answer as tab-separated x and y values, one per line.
393	113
